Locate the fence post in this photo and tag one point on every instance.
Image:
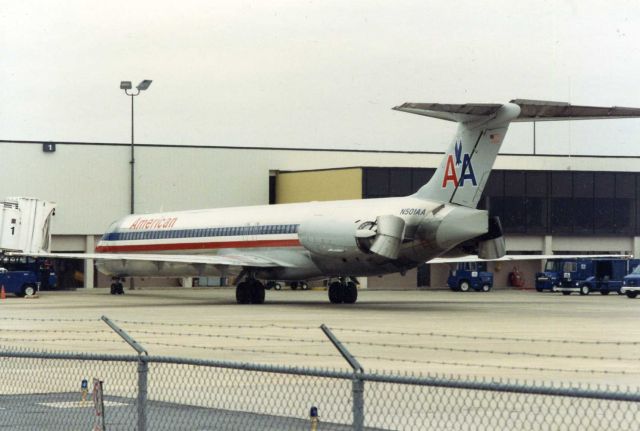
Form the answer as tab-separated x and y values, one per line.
143	371
357	387
358	402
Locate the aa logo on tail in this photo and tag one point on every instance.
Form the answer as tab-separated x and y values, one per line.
461	163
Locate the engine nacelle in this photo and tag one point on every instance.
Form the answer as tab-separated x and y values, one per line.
330	237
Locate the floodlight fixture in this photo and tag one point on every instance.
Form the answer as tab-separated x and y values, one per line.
144	85
125	85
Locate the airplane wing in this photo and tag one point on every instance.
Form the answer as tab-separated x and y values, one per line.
515	257
239	260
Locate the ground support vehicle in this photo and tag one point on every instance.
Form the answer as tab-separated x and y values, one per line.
631	283
551	277
20	283
273	285
302	285
470	275
595	275
43	268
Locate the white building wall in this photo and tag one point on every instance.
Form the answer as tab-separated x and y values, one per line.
90	183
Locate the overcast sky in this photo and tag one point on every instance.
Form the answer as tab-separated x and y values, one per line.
313	74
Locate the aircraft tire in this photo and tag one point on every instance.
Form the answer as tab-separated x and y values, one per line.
243	293
350	293
257	292
336	293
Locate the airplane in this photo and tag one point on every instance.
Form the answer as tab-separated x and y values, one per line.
339	240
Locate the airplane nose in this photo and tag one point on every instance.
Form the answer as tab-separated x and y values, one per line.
461	224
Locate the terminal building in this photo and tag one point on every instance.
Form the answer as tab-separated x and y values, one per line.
547	204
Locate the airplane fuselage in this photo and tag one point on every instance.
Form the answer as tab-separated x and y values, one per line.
311	240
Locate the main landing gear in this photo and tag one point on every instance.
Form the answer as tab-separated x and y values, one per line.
343	291
116	287
250	291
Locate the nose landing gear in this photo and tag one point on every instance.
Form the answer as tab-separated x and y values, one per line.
343	291
116	287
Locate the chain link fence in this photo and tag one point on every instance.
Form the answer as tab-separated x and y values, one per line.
43	390
50	390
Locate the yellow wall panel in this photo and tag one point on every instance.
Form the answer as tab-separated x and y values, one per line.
324	185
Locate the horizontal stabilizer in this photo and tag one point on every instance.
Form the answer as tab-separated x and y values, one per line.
530	110
517	257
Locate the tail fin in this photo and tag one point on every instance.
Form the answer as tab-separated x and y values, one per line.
465	169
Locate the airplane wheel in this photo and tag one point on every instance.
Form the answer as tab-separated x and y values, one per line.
243	293
350	293
257	292
336	294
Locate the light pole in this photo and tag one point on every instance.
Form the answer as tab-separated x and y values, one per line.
126	86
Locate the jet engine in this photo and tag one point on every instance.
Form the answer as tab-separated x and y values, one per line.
382	237
333	237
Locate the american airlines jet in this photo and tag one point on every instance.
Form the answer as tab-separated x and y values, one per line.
339	240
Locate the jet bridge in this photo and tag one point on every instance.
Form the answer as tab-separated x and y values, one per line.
25	225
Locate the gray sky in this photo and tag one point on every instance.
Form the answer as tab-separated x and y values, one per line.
320	74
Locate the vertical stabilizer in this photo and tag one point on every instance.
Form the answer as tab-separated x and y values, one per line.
465	169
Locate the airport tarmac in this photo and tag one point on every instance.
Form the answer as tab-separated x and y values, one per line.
501	334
